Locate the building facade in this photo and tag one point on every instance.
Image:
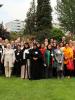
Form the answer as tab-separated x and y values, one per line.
15	26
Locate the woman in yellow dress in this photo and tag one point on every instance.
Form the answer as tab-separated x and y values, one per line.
68	60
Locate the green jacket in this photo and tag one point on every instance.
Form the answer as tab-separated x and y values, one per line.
47	57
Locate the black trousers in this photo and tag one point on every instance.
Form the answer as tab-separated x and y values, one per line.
60	73
1	69
68	72
17	69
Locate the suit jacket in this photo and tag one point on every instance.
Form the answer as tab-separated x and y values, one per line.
9	57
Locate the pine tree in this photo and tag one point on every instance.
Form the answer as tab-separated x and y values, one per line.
44	17
30	26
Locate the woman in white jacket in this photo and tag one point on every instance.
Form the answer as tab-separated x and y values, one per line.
9	59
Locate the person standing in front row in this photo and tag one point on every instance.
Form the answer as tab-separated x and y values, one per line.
1	53
48	61
18	61
35	63
25	68
59	57
9	59
68	60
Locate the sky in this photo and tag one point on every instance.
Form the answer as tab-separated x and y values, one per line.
17	9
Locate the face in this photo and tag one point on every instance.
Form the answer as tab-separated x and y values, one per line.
22	43
61	44
16	42
31	45
6	41
49	47
34	46
28	40
52	40
63	38
67	45
58	47
26	46
42	45
34	41
38	45
54	44
12	42
55	41
46	40
9	46
19	47
70	44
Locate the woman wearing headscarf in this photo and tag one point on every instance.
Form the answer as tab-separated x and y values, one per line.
59	57
35	62
48	61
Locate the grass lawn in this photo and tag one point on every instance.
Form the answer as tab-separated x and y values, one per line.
53	89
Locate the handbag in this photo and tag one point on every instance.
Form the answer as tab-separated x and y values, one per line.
70	65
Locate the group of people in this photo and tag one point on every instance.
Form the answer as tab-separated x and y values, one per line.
33	60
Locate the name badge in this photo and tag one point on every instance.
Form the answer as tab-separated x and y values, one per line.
0	51
36	52
18	53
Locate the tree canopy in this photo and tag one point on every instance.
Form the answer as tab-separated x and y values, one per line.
66	14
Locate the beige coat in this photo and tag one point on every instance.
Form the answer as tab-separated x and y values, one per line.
9	57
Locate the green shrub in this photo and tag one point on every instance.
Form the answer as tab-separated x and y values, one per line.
57	34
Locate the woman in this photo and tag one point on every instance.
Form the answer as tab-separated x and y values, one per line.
68	60
61	46
38	45
54	67
59	57
48	61
18	60
35	63
74	56
9	59
43	50
25	68
46	42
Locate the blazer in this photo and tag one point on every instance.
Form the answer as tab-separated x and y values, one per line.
9	57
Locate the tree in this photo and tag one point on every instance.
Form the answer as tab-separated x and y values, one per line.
66	14
1	5
57	34
44	17
30	26
4	33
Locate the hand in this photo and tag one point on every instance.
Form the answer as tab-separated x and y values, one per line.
60	61
35	58
13	62
66	58
2	61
